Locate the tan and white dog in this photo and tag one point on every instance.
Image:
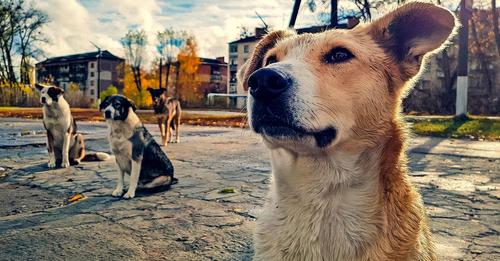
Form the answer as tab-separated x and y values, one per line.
328	108
65	146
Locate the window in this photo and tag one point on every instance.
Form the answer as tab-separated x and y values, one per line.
92	92
233	48
246	48
92	65
92	83
91	74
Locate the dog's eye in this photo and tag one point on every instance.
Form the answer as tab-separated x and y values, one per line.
271	59
338	55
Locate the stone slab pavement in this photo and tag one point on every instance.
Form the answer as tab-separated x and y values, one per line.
459	180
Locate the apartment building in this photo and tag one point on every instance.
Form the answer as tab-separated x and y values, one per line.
82	69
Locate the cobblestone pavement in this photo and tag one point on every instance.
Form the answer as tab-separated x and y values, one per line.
193	221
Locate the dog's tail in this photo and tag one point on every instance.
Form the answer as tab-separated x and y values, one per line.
97	156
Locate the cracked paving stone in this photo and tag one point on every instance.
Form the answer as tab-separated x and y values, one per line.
193	221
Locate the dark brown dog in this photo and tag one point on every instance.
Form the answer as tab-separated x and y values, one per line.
168	113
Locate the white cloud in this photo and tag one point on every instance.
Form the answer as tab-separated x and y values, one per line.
214	23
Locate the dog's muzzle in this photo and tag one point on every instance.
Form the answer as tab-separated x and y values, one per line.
107	114
43	100
272	109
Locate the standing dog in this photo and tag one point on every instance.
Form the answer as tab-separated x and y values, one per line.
168	113
136	151
328	108
65	146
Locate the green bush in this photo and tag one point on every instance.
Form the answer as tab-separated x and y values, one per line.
111	90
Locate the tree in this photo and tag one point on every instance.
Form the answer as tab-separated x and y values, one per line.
134	44
30	24
20	25
188	81
494	13
168	46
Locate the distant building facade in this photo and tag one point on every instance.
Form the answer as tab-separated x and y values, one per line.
435	92
82	69
213	75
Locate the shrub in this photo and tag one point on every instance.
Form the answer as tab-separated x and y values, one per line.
76	98
18	95
111	90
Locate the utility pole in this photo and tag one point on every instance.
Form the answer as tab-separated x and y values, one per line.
161	65
99	53
334	14
295	12
463	58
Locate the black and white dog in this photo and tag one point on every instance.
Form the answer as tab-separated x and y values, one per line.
136	151
65	146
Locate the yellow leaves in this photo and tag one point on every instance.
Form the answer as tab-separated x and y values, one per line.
76	197
142	99
189	81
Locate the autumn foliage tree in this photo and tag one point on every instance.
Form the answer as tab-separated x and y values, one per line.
188	80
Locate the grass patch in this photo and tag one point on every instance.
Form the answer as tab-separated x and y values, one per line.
227	191
188	117
472	128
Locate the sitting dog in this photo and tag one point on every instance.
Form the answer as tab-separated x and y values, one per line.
327	106
168	113
136	151
65	146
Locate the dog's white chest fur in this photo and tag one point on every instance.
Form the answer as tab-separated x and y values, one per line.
57	119
121	146
318	210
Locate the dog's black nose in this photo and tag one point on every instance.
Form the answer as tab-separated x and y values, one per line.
44	100
107	114
267	83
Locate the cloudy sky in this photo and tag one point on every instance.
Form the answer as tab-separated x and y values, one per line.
213	22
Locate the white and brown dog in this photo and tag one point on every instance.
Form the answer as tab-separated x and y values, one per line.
65	146
328	108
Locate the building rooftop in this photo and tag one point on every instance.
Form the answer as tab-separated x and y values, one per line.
311	29
212	61
81	56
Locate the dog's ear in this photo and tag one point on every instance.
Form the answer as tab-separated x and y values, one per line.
104	103
255	61
411	31
39	87
149	89
55	92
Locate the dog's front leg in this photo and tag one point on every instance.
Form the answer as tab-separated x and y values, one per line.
50	149
134	178
169	129
177	127
118	192
65	150
162	129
